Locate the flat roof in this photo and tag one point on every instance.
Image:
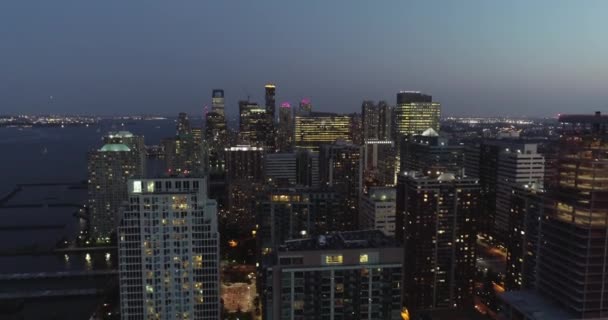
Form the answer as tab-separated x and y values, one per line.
534	306
342	240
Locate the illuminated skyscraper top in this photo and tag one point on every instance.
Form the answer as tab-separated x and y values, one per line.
270	100
416	112
305	106
217	101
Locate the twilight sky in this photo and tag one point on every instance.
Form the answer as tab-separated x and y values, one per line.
477	57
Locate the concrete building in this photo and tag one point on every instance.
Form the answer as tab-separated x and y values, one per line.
378	210
299	168
431	154
438	217
285	133
520	166
168	251
109	169
345	275
380	165
523	236
376	120
255	125
341	168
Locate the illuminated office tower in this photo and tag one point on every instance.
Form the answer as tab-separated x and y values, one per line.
270	100
109	169
317	128
255	125
344	275
572	261
217	101
341	168
415	112
438	217
378	209
286	129
168	251
305	107
197	134
376	120
356	128
184	153
216	132
183	124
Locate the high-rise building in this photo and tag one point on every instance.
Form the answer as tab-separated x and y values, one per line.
572	260
109	169
244	178
341	167
135	143
380	165
184	153
516	167
496	162
216	132
285	132
438	217
299	168
292	213
270	100
305	107
415	112
316	129
356	128
169	251
255	125
347	275
217	101
431	154
376	120
183	124
378	210
523	236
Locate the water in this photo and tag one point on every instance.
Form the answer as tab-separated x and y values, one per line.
54	154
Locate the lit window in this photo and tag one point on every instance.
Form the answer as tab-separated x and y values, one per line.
363	258
150	186
334	259
137	186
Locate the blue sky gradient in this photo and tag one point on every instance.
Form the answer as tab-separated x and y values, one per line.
477	57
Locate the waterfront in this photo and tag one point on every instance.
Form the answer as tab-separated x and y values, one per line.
42	193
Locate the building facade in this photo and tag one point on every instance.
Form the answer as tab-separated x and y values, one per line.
109	169
439	221
168	251
316	129
415	112
378	210
347	275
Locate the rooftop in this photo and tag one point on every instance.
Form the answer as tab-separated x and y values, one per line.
342	240
534	306
114	147
120	134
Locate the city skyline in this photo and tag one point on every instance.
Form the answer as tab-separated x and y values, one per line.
476	58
